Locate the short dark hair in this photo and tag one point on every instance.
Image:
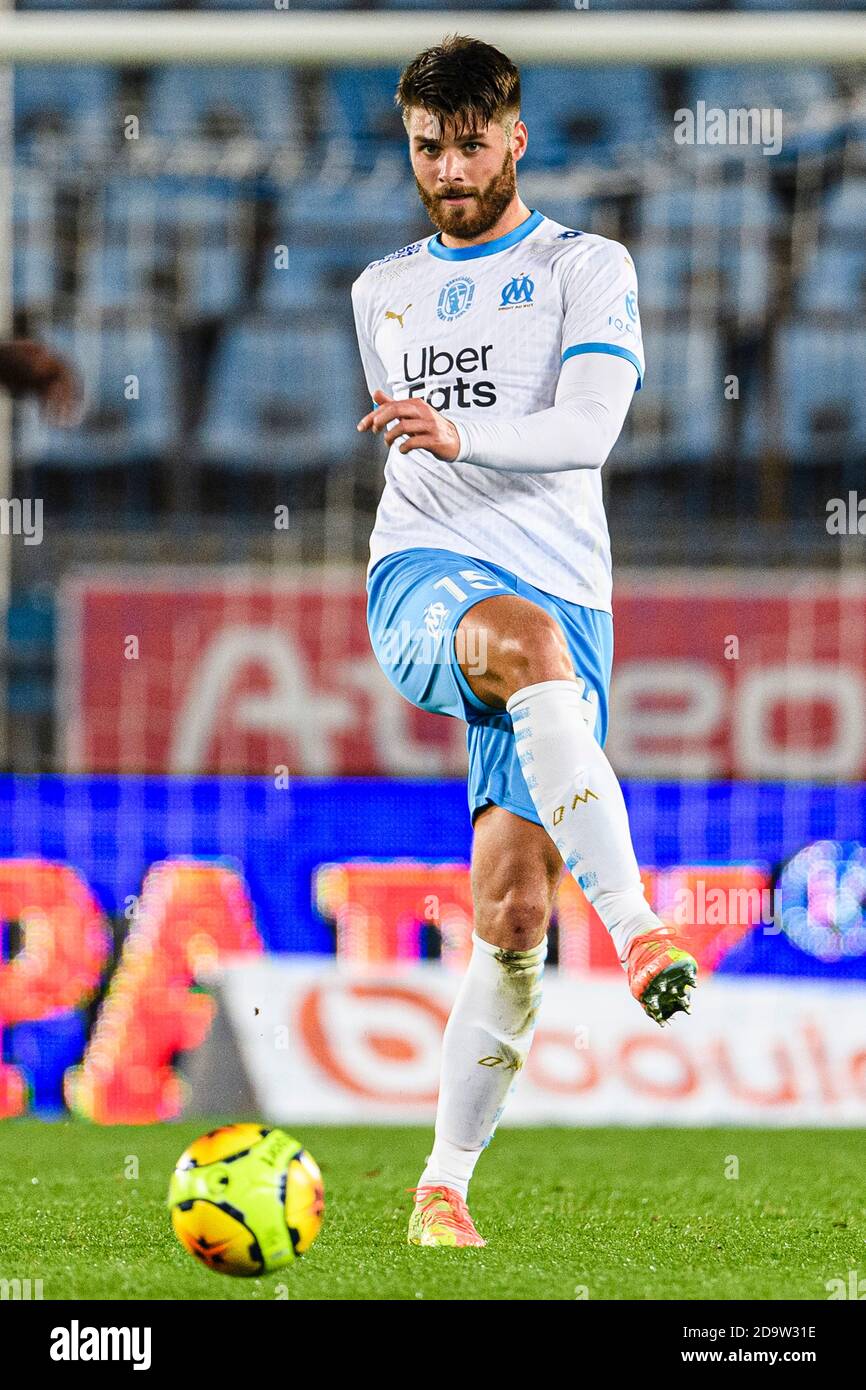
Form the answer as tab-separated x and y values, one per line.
463	81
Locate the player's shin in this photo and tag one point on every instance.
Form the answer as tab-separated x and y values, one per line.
486	1042
580	803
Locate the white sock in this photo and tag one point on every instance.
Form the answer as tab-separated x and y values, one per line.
580	803
486	1042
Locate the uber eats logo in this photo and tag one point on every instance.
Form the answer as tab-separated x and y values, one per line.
421	364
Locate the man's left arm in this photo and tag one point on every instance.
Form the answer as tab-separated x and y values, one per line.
579	430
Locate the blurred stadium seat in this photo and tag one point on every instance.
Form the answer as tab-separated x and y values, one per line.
174	241
706	248
278	397
358	109
309	280
220	103
78	110
592	115
833	280
296	4
820	380
636	5
34	250
30	635
679	418
791	89
460	5
91	4
798	5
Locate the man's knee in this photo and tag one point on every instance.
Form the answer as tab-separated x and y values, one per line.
515	919
524	645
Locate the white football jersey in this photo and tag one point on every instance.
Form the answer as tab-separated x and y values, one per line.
485	329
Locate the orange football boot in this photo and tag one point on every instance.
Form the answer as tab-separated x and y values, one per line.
661	973
441	1217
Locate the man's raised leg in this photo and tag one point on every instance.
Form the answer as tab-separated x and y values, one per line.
574	788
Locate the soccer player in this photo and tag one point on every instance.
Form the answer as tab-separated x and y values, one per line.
502	354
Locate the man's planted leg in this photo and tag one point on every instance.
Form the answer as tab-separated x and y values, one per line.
515	870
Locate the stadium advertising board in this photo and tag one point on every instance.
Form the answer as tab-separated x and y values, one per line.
117	894
744	675
316	1044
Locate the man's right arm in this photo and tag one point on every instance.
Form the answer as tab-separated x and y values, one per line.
375	372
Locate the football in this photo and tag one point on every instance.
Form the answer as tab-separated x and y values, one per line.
246	1200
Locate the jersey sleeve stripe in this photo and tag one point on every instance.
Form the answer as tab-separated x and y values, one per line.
613	349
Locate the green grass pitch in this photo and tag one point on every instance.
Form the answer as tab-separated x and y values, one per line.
597	1213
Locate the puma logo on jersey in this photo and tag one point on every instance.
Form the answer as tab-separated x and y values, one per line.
390	314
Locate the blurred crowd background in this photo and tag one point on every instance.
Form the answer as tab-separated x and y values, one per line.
187	649
199	228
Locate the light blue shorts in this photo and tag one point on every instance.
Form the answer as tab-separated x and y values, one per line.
415	600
